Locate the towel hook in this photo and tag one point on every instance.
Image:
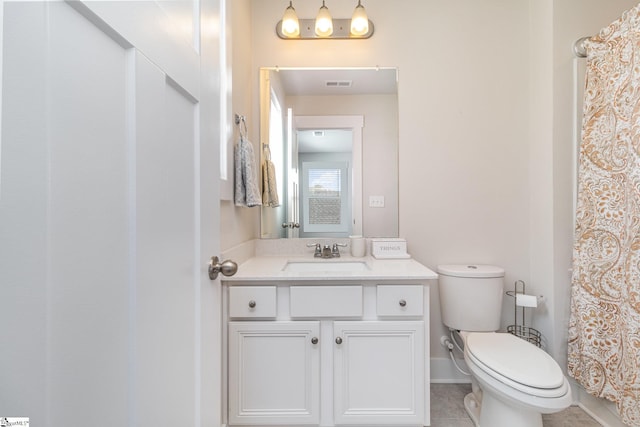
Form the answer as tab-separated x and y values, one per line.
242	125
267	150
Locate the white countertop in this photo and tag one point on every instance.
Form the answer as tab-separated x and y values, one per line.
272	268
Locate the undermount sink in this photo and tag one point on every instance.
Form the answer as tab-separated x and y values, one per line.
325	266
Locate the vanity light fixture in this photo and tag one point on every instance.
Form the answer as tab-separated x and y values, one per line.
324	23
290	26
324	26
359	21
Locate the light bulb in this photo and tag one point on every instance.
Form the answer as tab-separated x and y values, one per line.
290	24
359	21
324	23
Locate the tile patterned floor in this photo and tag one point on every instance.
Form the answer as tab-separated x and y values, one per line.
447	410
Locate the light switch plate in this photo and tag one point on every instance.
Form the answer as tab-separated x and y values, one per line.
376	201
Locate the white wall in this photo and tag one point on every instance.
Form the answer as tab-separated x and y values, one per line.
239	225
485	103
463	161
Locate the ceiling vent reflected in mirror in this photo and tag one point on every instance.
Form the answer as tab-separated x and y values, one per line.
338	83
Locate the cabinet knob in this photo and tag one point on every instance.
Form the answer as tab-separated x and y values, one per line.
252	304
338	340
403	303
314	340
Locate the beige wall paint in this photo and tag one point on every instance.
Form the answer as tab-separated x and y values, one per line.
238	225
485	102
463	161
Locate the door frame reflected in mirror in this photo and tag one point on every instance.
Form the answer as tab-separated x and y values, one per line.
353	124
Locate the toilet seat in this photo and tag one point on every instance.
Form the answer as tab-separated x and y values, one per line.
516	363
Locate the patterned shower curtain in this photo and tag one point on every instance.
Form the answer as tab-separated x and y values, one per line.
604	328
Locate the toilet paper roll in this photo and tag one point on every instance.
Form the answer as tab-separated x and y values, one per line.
523	300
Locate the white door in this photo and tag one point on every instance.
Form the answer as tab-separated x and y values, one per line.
379	373
274	373
108	214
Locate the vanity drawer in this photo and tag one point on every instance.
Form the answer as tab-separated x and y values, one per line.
326	301
252	301
400	300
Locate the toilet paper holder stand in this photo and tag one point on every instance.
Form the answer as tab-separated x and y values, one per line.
527	333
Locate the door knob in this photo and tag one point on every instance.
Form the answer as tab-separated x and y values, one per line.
338	340
290	225
227	267
314	340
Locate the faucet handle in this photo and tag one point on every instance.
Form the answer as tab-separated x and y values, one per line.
318	250
334	250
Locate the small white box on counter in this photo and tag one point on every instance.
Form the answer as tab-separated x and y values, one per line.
389	248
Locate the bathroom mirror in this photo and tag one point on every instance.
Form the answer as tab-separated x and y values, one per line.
331	135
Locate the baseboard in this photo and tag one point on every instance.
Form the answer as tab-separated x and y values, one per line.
444	371
602	410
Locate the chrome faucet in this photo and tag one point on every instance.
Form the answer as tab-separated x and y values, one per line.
326	251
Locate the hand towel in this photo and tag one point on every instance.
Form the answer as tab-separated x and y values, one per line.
247	192
269	187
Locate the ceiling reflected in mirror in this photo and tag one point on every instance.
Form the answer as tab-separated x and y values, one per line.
314	82
324	140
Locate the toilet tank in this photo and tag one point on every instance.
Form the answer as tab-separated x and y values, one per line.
471	296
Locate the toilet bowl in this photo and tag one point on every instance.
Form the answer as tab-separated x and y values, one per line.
519	381
513	381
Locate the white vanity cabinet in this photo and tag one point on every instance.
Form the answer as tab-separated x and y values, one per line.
327	354
274	373
378	371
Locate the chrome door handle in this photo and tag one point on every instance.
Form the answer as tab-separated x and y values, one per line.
227	267
314	340
403	303
338	340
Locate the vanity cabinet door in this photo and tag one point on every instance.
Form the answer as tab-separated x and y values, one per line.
379	373
274	373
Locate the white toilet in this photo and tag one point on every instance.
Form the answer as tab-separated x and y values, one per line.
513	382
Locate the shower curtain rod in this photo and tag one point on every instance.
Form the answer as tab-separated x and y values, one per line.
578	47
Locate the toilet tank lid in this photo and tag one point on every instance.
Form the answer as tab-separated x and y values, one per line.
470	270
